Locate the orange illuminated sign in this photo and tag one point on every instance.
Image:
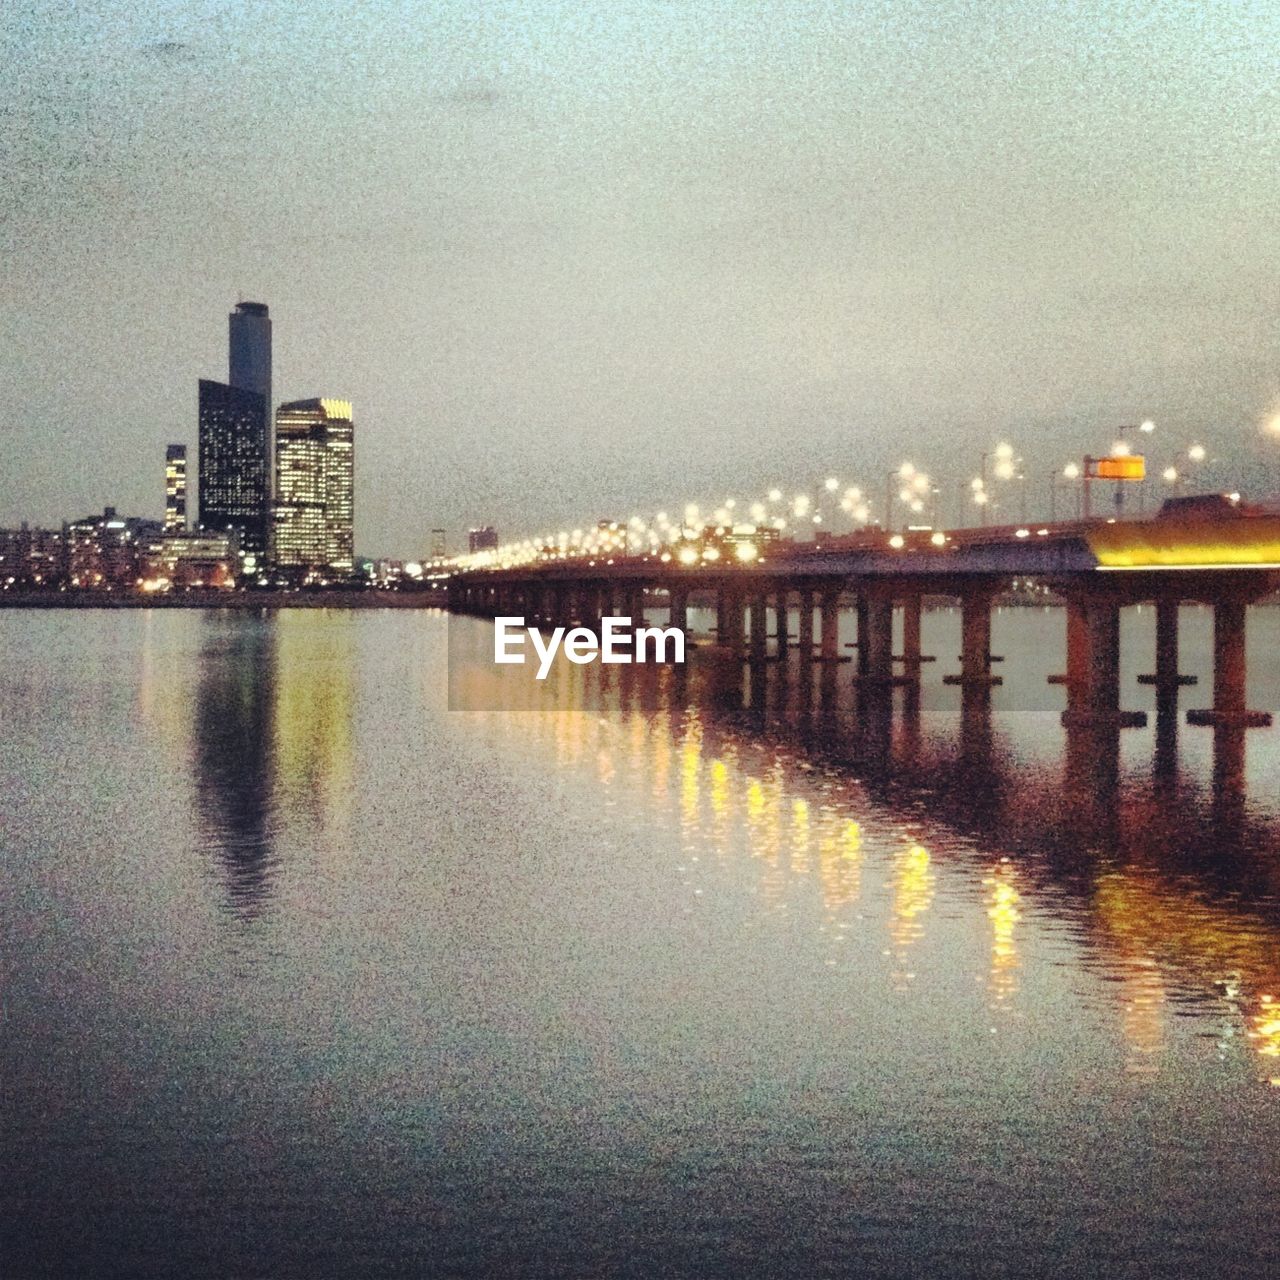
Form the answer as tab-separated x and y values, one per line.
1132	466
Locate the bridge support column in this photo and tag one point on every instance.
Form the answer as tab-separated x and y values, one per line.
1093	666
911	611
829	613
875	639
1229	709
678	602
598	604
1166	678
781	622
975	639
729	631
805	641
759	626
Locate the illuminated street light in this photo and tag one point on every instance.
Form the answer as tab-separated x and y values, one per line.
831	484
746	552
1071	471
1196	453
1170	475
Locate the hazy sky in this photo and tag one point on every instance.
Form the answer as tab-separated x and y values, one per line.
571	260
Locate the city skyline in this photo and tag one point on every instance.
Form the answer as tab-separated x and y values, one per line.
576	266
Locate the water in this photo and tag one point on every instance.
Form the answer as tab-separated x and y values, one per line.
305	975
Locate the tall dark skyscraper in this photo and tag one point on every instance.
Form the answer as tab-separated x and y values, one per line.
235	476
251	349
235	437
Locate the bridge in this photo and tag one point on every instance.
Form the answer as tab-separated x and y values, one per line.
1226	560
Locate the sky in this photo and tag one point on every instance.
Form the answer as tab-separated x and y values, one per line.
574	261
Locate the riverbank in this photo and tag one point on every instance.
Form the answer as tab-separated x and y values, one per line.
223	600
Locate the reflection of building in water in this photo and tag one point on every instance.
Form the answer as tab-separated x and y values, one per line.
233	760
314	705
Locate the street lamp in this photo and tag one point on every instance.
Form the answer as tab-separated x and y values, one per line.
1070	474
1121	449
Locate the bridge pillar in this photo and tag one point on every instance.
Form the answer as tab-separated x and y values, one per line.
678	601
805	640
911	611
1166	678
759	626
829	613
729	618
595	603
975	639
1093	666
781	621
1229	708
875	639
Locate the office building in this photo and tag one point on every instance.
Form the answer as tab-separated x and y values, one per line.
194	559
31	557
235	473
485	539
235	448
109	551
314	514
250	349
175	488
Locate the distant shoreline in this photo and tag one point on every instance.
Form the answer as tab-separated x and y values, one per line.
223	600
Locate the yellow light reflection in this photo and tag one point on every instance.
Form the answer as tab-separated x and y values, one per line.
1002	911
913	888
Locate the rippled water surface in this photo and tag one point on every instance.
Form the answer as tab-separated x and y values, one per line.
670	974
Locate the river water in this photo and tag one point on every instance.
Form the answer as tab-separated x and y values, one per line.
670	974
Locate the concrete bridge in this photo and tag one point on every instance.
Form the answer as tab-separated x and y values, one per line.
1097	568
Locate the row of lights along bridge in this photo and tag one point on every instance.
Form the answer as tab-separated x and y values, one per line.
912	502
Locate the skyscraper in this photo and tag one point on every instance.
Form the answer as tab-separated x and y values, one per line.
175	488
313	527
235	477
250	327
235	437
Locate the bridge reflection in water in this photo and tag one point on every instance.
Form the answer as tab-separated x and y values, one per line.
1170	883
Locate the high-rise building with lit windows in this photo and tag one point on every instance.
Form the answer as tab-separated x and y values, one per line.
314	515
235	471
175	488
235	437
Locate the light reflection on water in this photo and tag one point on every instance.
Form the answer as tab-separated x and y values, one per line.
672	972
